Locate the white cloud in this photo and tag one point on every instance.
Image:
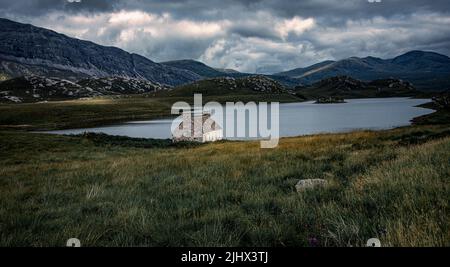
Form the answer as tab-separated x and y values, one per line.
256	54
295	25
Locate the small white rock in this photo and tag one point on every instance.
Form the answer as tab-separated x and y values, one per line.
309	184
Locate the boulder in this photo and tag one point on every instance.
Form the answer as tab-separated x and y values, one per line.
302	185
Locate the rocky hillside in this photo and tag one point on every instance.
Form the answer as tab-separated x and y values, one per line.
119	85
229	85
260	83
26	50
35	88
347	87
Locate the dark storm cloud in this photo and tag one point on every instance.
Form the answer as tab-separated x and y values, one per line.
250	35
350	8
333	9
219	9
42	7
259	31
91	5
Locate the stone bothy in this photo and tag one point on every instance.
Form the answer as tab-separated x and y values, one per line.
197	126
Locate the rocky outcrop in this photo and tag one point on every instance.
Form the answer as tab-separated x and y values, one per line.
122	85
261	83
36	88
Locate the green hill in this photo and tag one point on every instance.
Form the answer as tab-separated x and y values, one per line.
347	87
249	88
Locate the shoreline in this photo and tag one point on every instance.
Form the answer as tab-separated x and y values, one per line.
138	116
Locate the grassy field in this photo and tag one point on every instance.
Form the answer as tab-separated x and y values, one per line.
118	191
393	185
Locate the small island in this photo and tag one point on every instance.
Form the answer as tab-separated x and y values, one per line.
330	100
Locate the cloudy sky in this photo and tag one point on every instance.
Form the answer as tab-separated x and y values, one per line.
248	35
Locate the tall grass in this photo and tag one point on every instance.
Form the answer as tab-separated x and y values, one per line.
393	185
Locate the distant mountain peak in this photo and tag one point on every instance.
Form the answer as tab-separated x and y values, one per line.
421	55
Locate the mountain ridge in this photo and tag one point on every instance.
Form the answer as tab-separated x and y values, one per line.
29	50
207	72
425	69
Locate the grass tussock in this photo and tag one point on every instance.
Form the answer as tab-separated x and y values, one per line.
393	185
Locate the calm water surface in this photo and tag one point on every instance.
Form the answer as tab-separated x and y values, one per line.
299	118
